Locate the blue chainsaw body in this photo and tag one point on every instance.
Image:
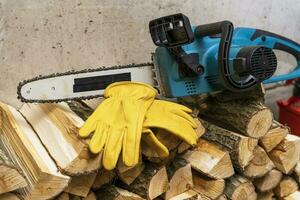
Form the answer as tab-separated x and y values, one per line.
207	49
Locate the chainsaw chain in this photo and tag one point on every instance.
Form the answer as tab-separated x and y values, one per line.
40	77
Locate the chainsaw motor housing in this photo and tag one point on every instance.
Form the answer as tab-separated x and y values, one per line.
229	59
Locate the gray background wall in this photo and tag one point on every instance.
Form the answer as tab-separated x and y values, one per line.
45	36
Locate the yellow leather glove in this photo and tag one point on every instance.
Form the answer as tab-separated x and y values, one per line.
117	122
172	117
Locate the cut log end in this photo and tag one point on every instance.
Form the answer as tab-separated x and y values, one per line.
260	123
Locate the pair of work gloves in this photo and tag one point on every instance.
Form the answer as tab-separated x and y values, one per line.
127	114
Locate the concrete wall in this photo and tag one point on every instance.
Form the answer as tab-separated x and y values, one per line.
45	36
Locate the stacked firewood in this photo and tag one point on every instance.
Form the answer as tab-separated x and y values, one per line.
241	154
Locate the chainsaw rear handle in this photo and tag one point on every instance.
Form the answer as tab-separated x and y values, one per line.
279	42
225	29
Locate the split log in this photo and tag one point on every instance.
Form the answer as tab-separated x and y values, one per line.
240	148
294	196
274	136
210	159
129	174
286	187
25	149
259	165
103	177
57	126
265	196
9	196
81	185
151	183
188	195
222	197
239	188
90	196
180	178
247	116
286	155
63	196
11	177
208	187
269	181
93	103
111	192
296	172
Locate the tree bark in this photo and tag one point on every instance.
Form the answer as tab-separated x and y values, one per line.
240	148
247	116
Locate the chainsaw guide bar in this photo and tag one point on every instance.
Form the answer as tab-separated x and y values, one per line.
81	84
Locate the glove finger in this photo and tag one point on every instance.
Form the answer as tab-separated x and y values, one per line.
131	147
174	126
185	118
112	148
88	127
151	140
98	140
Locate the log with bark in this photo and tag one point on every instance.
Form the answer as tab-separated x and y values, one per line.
57	126
259	165
249	117
151	183
103	177
286	155
11	177
210	159
239	188
240	148
286	187
274	136
26	150
269	181
111	192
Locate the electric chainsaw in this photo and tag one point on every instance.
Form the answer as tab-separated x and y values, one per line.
188	61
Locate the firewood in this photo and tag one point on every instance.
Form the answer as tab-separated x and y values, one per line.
93	103
81	185
247	116
188	195
222	197
129	174
238	187
57	126
286	187
90	196
9	196
286	155
151	183
265	195
211	188
274	136
180	178
63	196
259	165
240	148
294	196
269	181
11	177
111	192
296	172
25	149
210	159
103	176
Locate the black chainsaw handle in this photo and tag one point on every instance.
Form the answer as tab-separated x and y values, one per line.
225	29
212	29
